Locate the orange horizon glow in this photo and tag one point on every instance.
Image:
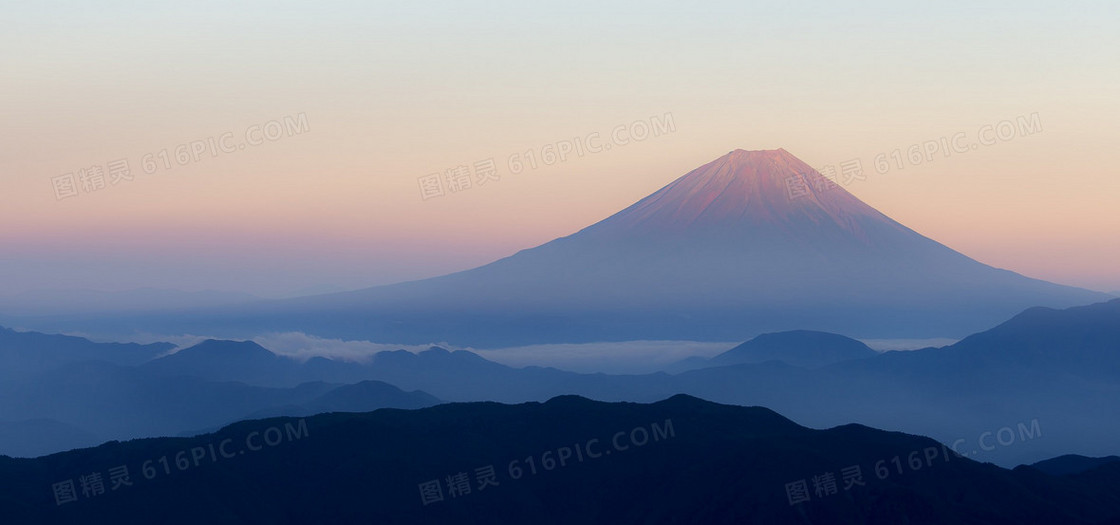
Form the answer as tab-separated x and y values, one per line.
339	204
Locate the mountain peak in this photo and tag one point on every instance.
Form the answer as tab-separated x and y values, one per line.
804	348
743	155
220	350
746	189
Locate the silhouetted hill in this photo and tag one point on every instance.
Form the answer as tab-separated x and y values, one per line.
1072	464
569	460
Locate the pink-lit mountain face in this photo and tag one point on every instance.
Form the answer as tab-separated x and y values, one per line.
752	242
757	198
744	188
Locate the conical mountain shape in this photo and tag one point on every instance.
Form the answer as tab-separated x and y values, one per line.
752	242
743	188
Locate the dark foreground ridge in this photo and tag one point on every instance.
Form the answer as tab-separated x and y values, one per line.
569	460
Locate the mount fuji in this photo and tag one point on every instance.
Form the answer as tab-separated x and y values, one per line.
752	242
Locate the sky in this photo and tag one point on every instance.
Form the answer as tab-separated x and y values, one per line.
282	148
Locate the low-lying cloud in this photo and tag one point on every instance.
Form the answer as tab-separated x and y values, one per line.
628	357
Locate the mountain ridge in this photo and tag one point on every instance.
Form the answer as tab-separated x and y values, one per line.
678	460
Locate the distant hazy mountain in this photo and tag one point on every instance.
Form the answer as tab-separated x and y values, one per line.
26	353
59	392
1086	338
752	242
118	402
365	396
798	347
681	460
84	404
368	395
215	360
1073	464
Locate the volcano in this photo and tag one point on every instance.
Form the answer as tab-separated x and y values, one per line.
752	242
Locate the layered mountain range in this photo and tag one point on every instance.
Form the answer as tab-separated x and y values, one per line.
1039	385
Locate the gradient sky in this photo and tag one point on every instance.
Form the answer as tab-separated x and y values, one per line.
393	91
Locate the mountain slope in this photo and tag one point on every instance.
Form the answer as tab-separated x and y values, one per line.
722	253
1085	337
